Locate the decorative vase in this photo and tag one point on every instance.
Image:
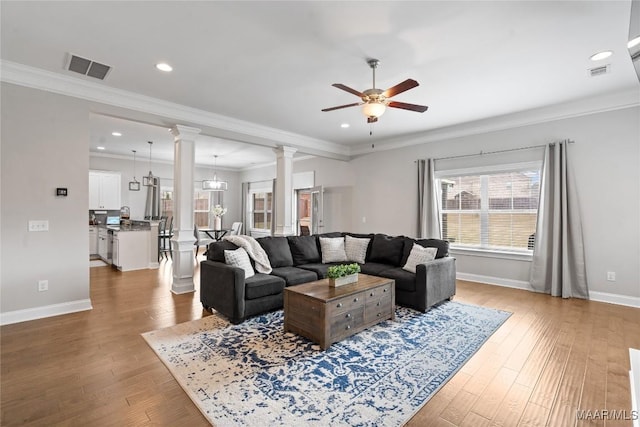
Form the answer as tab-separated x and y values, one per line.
339	281
217	223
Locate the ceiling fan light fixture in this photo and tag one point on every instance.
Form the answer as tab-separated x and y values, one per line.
374	109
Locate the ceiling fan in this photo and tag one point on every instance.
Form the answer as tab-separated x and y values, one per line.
375	101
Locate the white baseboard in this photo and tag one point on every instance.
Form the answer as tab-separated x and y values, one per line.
615	299
499	281
519	284
45	311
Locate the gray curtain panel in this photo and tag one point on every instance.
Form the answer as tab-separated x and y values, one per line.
428	213
558	266
245	211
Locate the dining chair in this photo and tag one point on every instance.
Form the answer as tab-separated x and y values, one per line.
235	228
200	240
165	233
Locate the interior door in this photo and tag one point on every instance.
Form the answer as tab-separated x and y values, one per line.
317	215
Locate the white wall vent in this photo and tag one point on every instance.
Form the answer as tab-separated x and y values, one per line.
598	71
87	67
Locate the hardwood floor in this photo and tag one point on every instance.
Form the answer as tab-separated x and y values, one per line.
551	358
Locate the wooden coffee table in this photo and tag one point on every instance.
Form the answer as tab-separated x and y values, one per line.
325	314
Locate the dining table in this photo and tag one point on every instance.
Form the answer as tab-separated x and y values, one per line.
215	234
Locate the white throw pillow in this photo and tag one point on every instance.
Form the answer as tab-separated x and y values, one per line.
356	248
332	249
239	258
419	255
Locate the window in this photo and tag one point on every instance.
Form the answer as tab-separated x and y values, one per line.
201	207
490	210
260	210
166	200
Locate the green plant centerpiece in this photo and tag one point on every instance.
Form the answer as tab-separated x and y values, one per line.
342	274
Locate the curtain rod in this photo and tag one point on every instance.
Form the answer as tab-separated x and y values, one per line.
502	151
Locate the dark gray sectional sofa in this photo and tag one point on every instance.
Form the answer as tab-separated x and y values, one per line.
298	259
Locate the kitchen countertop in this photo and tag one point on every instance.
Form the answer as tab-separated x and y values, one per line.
134	226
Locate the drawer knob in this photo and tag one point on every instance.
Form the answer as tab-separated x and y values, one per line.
348	315
378	304
348	327
371	294
384	290
355	300
339	305
378	314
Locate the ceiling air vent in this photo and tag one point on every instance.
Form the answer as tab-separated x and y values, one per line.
88	67
598	71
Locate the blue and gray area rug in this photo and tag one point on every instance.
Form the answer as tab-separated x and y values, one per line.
256	374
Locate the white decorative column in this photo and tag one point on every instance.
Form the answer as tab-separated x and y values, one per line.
183	238
284	191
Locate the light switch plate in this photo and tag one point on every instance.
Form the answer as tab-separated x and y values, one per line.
39	225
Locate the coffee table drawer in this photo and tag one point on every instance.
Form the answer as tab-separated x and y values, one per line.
347	303
345	323
379	292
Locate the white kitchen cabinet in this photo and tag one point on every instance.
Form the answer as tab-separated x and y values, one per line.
103	245
93	240
104	190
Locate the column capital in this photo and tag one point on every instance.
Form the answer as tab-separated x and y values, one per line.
285	151
185	132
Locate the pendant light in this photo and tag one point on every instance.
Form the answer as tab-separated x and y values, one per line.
149	180
135	184
214	184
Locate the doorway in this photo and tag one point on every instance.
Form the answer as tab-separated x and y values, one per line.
309	211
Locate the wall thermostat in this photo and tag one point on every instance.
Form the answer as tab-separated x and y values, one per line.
61	192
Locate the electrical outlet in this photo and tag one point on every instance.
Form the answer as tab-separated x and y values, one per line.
43	285
611	276
38	225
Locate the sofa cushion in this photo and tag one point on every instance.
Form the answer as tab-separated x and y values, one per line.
215	251
386	249
356	248
319	268
373	268
441	245
294	275
405	281
261	285
304	249
277	249
332	249
239	258
419	255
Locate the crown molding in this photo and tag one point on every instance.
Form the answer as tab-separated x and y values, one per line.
593	105
36	78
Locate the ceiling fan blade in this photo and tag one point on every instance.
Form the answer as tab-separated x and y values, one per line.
342	106
400	87
348	89
405	106
372	119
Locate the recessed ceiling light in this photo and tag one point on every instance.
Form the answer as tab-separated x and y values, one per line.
633	42
116	134
100	148
601	55
345	125
163	66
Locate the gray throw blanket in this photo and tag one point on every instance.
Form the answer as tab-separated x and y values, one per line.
254	250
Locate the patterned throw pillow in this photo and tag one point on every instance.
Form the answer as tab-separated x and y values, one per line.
356	248
419	255
332	249
239	258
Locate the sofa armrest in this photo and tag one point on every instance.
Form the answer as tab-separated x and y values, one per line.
222	287
436	281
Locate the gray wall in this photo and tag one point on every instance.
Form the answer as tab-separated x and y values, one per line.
44	146
606	158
